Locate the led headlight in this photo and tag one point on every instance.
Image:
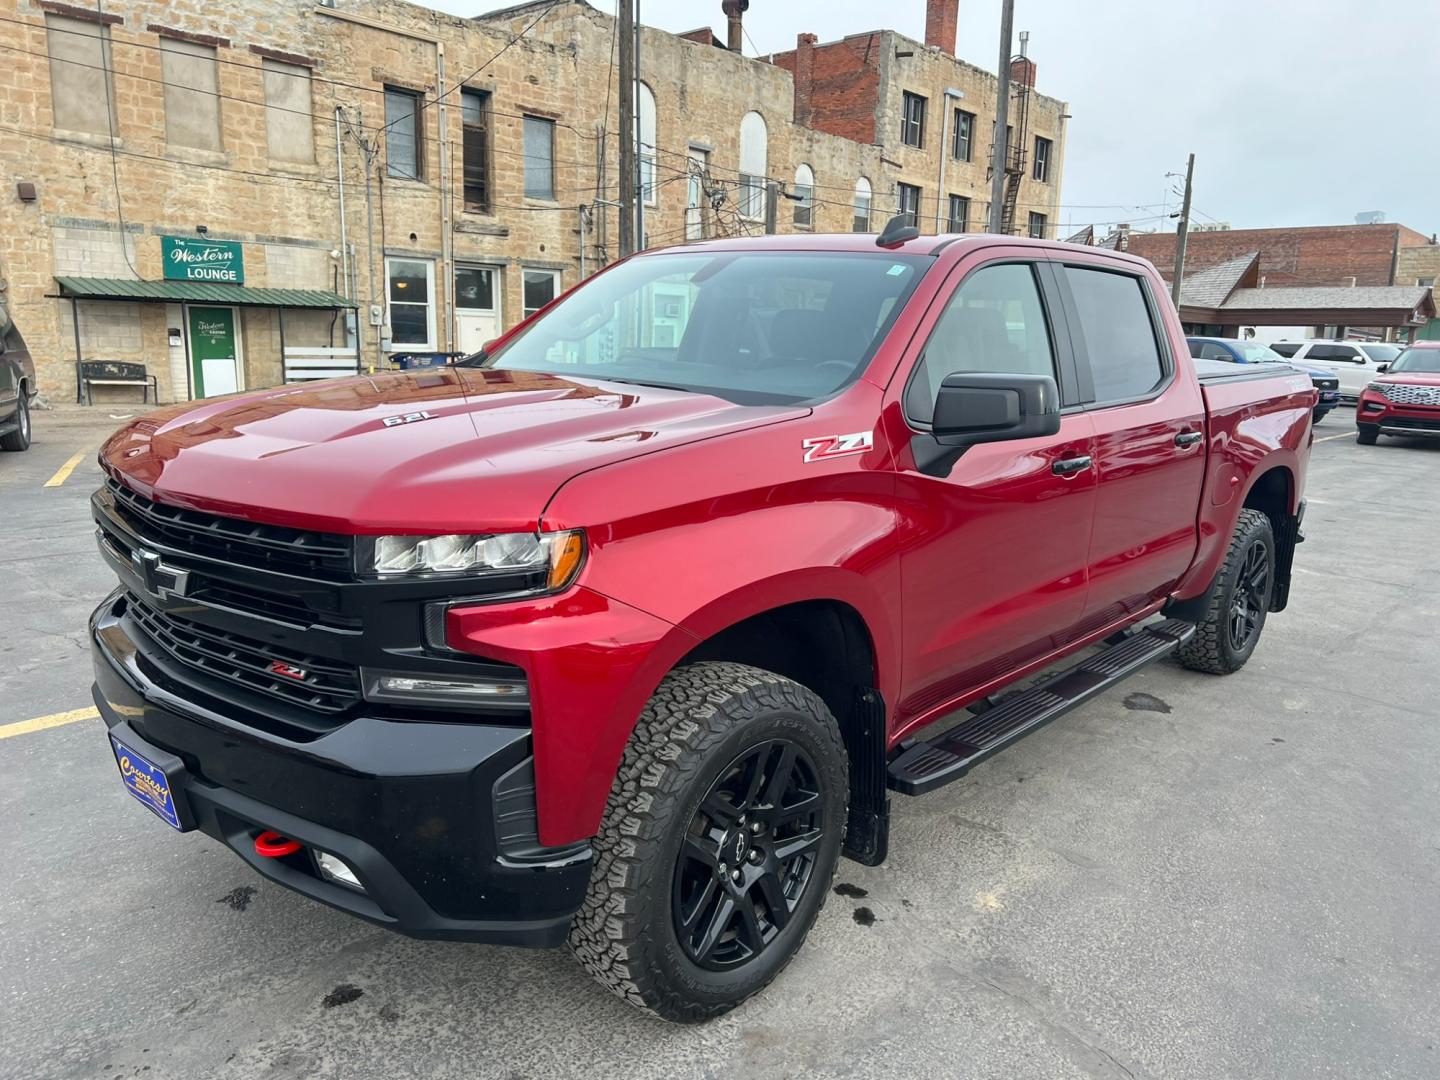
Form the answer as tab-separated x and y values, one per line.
1378	386
557	555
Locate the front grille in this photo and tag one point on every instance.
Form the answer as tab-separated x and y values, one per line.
245	543
1327	384
322	685
1402	394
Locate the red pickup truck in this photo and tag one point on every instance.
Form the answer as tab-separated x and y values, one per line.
623	631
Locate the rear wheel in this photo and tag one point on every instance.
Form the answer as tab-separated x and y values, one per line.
1238	602
19	439
1366	434
719	842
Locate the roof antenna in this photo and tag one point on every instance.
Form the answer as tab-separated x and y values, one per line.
897	230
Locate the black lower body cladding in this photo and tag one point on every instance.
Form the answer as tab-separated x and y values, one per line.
411	807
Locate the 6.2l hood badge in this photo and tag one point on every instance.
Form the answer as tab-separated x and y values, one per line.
407	418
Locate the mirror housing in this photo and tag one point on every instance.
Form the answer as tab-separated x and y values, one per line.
984	407
1380	369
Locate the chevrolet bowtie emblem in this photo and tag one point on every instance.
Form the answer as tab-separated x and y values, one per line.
159	580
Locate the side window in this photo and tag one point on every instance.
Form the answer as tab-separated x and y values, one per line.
1286	348
995	322
1211	351
1349	354
1119	335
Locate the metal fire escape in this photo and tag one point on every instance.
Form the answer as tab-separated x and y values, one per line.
1018	137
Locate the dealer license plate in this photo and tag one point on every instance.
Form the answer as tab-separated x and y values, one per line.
147	782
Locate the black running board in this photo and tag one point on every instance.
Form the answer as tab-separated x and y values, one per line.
924	766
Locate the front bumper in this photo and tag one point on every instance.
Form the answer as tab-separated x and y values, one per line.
436	818
1375	410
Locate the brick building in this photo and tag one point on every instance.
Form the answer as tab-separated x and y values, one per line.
221	192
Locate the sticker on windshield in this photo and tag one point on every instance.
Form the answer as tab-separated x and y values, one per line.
896	270
824	447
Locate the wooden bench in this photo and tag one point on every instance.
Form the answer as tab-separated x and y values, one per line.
117	373
306	364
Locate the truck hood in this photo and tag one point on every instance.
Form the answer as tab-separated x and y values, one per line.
452	450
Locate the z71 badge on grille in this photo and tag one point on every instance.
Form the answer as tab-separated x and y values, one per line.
829	446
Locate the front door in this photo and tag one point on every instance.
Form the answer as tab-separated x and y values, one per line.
993	566
1351	366
476	311
214	351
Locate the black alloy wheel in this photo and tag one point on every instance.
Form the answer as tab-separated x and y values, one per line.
748	855
1251	597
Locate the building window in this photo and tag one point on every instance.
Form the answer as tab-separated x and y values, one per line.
863	197
645	148
963	144
410	285
908	201
696	193
81	90
1041	170
475	123
289	127
539	158
1037	225
754	150
541	286
192	94
912	120
805	194
402	133
1425	282
959	214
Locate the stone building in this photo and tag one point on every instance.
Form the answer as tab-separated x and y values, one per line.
230	194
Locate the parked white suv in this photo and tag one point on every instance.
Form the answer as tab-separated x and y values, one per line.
1354	363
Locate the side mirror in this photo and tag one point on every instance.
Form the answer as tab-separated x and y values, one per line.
1380	369
981	407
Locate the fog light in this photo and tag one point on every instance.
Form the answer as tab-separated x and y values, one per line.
1373	406
434	690
333	868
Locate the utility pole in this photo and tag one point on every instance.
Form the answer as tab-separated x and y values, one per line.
772	206
1181	234
625	13
640	244
1002	118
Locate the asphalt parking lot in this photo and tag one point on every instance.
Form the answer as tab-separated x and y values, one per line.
1188	877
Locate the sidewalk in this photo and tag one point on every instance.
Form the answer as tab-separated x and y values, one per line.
54	414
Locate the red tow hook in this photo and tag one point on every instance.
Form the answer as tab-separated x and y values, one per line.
274	846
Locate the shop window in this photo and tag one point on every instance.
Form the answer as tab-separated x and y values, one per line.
410	288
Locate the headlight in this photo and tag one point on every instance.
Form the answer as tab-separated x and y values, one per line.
1378	387
556	555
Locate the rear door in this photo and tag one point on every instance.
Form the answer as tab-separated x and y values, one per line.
994	553
1149	420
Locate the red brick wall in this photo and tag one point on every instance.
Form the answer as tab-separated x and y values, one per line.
1318	255
942	19
845	86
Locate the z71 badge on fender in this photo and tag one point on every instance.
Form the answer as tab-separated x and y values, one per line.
829	446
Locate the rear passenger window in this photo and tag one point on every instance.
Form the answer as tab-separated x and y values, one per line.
1119	336
995	322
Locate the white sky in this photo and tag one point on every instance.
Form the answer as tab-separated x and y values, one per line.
1299	113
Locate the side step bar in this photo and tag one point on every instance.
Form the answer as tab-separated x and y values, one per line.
924	766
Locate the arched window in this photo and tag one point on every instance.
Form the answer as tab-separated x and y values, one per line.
645	124
862	199
805	192
754	149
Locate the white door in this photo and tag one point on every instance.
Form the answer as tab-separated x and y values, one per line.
477	317
1351	366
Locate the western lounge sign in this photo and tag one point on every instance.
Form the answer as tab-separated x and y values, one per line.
187	259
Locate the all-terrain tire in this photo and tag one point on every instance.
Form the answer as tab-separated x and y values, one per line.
19	439
700	719
1212	648
1367	434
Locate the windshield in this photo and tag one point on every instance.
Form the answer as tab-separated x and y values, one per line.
1381	354
1255	353
763	327
1426	361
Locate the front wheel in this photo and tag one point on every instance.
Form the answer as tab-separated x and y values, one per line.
19	439
1238	601
719	842
1367	434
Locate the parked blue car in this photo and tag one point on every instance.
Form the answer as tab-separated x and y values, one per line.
1233	351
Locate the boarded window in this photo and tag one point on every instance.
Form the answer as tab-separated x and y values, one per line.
289	126
475	114
192	94
81	90
402	133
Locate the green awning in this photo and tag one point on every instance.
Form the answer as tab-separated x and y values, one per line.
197	292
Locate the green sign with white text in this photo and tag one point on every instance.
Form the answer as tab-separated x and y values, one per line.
188	259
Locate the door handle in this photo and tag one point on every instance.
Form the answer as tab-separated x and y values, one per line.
1070	466
1188	438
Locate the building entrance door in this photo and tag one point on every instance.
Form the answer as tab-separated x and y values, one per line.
214	351
477	317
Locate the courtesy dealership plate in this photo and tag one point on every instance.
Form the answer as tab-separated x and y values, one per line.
147	782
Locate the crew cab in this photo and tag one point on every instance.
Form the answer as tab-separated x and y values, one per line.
622	631
1405	397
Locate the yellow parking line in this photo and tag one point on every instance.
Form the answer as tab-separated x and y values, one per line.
65	470
40	723
1342	435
